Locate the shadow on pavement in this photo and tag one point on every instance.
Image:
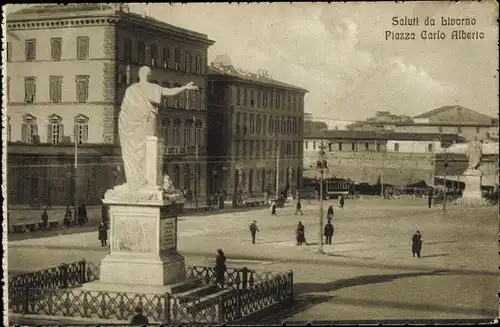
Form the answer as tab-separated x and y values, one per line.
435	255
276	315
358	281
440	242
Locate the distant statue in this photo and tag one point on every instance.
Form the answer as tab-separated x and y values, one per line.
137	121
474	154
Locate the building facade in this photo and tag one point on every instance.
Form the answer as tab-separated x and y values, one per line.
67	71
372	157
256	125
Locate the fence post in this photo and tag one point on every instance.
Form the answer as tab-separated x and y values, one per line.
244	280
221	310
83	267
167	309
26	300
64	269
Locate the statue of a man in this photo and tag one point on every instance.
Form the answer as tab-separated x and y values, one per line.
474	153
137	121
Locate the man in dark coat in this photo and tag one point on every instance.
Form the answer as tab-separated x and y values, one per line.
45	218
103	234
220	267
328	232
341	202
273	209
301	234
416	246
139	319
298	208
253	230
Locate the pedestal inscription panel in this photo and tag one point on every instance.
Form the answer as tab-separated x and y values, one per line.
132	235
168	233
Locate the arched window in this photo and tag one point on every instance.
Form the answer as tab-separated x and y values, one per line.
177	133
188	130
81	129
55	129
29	129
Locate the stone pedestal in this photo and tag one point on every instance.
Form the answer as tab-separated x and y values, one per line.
472	180
143	255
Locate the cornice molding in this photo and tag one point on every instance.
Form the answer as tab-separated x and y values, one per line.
29	23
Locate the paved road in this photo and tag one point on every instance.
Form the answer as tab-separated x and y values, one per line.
368	273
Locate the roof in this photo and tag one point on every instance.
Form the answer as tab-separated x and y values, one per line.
86	9
231	72
433	112
379	135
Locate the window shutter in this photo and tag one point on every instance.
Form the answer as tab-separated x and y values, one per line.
49	133
23	132
61	133
85	133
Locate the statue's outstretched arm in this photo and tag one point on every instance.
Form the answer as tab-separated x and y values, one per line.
166	91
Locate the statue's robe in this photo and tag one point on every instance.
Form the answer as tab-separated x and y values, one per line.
137	121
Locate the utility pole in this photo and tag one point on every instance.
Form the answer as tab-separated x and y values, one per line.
278	153
321	166
196	165
445	173
75	168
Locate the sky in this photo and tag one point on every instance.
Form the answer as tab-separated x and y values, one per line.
339	53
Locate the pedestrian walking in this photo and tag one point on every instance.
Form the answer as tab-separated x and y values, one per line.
103	234
220	267
301	234
328	232
273	209
329	213
298	208
341	202
45	219
416	246
429	198
139	319
68	217
253	230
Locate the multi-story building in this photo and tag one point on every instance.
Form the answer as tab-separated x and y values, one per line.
369	156
256	125
444	120
67	71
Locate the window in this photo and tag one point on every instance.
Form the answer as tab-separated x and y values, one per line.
198	65
330	146
314	145
306	144
252	123
244	154
198	136
289	105
127	50
245	97
177	58
252	100
278	101
177	133
29	89
154	55
440	129
187	177
353	146
55	85
29	130
245	125
8	88
187	99
188	129
82	50
55	130
30	50
367	146
478	130
378	147
165	126
429	147
9	51
55	48
238	96
396	147
237	149
141	53
459	129
340	146
81	129
187	62
259	125
82	88
166	57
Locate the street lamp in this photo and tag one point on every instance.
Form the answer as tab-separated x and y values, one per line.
321	166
